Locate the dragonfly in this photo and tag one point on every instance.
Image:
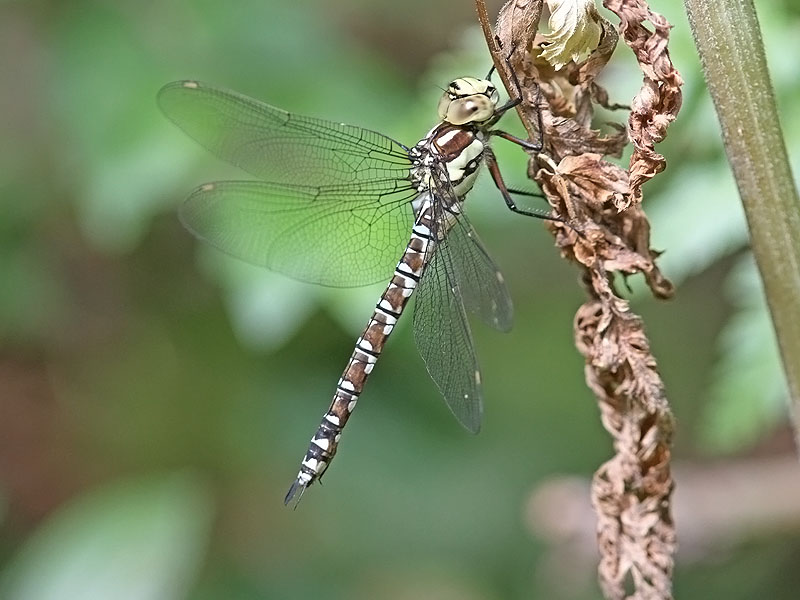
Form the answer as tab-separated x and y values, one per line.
339	205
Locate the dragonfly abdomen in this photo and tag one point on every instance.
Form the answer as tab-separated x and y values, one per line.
367	350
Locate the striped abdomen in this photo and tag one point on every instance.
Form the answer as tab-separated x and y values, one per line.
368	348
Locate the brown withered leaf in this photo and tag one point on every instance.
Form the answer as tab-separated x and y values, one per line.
599	181
589	191
520	19
567	137
589	69
517	23
570	95
605	232
659	99
600	97
632	491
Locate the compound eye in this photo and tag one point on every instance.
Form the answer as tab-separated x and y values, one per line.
460	112
469	110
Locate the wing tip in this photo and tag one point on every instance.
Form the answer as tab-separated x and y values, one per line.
195	203
190	84
471	422
474	428
182	84
504	325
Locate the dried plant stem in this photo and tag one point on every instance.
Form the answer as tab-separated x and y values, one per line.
504	58
631	492
728	39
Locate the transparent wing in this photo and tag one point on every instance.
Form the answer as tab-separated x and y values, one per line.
337	235
444	339
458	274
482	287
277	146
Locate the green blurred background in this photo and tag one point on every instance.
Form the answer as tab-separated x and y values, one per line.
156	397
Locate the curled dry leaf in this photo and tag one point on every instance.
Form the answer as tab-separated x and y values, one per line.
659	99
571	94
631	492
517	21
599	181
601	200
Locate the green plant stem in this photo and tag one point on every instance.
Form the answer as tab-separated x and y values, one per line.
728	40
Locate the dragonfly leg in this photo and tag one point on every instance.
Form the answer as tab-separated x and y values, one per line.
528	193
497	177
531	146
494	170
512	102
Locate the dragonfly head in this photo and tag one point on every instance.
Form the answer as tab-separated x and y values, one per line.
468	100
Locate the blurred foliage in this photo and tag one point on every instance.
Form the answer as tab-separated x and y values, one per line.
159	528
128	351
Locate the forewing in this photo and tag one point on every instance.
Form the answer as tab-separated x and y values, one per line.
277	146
336	235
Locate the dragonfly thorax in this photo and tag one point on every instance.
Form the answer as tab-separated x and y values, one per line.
468	100
447	159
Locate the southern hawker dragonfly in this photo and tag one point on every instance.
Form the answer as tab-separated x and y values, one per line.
339	205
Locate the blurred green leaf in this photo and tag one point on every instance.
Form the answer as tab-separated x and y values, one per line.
265	308
140	540
748	390
697	219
